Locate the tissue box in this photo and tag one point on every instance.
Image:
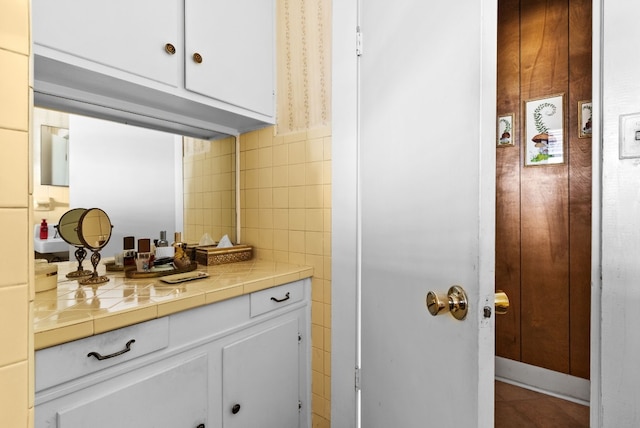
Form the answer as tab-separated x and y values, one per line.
211	255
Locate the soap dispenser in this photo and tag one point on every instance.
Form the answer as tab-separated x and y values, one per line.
44	229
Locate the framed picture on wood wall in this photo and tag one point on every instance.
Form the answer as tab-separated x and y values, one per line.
584	119
544	131
505	130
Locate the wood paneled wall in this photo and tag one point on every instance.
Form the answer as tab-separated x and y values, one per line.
543	213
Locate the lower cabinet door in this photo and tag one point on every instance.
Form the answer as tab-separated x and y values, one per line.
174	396
260	379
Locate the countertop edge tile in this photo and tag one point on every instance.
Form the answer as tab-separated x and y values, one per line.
223	294
125	318
306	273
252	286
58	335
179	305
286	278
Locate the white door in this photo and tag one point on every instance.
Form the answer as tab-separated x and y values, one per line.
413	211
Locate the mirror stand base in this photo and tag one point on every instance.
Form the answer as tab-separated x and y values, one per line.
94	280
79	274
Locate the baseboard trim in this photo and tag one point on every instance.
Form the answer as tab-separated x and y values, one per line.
542	380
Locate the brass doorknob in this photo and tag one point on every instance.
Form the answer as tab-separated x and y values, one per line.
501	302
455	302
197	58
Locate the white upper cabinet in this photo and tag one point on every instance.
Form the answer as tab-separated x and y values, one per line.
231	59
125	35
196	67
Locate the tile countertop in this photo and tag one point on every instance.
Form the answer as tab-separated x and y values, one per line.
73	312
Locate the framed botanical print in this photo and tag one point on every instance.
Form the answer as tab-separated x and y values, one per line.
505	130
544	131
585	109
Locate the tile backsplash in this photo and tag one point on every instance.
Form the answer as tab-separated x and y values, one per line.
16	289
285	200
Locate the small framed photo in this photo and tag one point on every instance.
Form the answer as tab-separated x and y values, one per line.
585	110
505	130
544	131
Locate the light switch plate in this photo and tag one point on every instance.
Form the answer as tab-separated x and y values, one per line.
630	136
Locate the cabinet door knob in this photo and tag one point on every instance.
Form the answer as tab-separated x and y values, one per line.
200	426
235	409
197	58
170	49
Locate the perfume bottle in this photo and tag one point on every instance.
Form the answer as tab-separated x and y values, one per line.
44	230
181	258
162	242
129	251
163	250
144	257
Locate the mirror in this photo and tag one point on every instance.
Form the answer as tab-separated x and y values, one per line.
68	231
148	181
54	156
94	228
94	231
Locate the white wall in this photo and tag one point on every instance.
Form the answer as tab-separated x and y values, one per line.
128	172
620	298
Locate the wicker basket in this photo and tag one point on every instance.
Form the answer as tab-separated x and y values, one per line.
211	255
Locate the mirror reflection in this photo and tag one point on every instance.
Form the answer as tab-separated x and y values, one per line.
148	181
94	228
54	156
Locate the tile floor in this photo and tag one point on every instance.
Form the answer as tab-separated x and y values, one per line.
522	408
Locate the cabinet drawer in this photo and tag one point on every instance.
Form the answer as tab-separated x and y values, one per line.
72	360
275	298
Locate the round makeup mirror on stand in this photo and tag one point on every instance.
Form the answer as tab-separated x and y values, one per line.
94	231
68	231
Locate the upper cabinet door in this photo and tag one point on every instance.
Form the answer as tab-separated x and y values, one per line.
124	35
230	52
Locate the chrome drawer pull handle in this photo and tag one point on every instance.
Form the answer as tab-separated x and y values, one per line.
115	354
287	297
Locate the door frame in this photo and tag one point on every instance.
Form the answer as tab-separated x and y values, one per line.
345	398
345	234
595	404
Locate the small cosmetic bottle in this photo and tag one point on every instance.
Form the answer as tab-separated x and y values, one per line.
180	258
144	257
162	242
129	253
44	229
163	249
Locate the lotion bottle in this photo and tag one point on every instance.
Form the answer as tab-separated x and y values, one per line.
44	229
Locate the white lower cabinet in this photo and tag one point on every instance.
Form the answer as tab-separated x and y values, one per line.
224	366
169	396
260	378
